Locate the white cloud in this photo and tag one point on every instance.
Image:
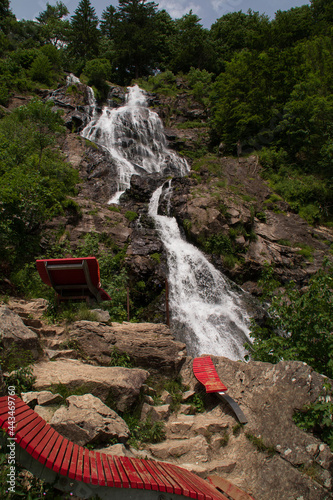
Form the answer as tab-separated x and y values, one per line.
180	8
224	6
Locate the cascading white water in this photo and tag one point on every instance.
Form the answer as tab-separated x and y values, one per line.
134	137
200	297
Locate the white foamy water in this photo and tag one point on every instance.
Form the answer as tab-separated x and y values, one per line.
200	297
134	137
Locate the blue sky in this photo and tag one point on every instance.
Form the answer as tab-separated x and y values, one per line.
207	10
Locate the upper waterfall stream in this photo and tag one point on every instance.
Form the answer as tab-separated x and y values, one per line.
201	299
134	137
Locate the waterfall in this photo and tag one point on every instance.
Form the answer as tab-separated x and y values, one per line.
134	137
202	301
200	297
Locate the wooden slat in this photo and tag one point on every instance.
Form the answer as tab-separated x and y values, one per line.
79	465
134	478
73	462
204	370
53	452
67	459
6	401
108	472
161	483
86	466
60	455
186	489
122	474
30	435
175	487
147	478
45	438
23	426
100	470
163	477
93	468
46	450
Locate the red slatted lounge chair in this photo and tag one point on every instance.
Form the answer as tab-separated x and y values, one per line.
75	469
74	278
204	371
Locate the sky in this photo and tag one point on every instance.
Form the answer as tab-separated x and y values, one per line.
207	10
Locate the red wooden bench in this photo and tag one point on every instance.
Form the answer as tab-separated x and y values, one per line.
85	473
73	278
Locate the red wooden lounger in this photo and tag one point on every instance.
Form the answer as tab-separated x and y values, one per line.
85	473
204	371
74	278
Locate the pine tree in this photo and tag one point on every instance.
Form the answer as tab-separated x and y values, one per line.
84	32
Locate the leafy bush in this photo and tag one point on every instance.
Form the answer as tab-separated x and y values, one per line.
119	358
317	417
300	323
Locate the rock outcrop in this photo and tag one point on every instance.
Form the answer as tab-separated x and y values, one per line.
15	336
87	420
120	386
148	345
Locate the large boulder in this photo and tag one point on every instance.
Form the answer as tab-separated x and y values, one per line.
121	386
149	345
269	396
15	335
88	420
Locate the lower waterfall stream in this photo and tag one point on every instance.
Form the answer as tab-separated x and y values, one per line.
200	297
202	302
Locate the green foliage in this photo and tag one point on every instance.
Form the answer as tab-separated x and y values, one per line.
84	34
98	71
131	216
300	324
156	257
144	431
40	70
17	362
119	358
200	83
163	83
35	179
197	402
317	417
22	379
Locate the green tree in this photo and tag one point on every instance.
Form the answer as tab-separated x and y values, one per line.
84	33
6	16
34	178
138	37
291	26
41	70
190	46
236	31
54	28
300	325
108	21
